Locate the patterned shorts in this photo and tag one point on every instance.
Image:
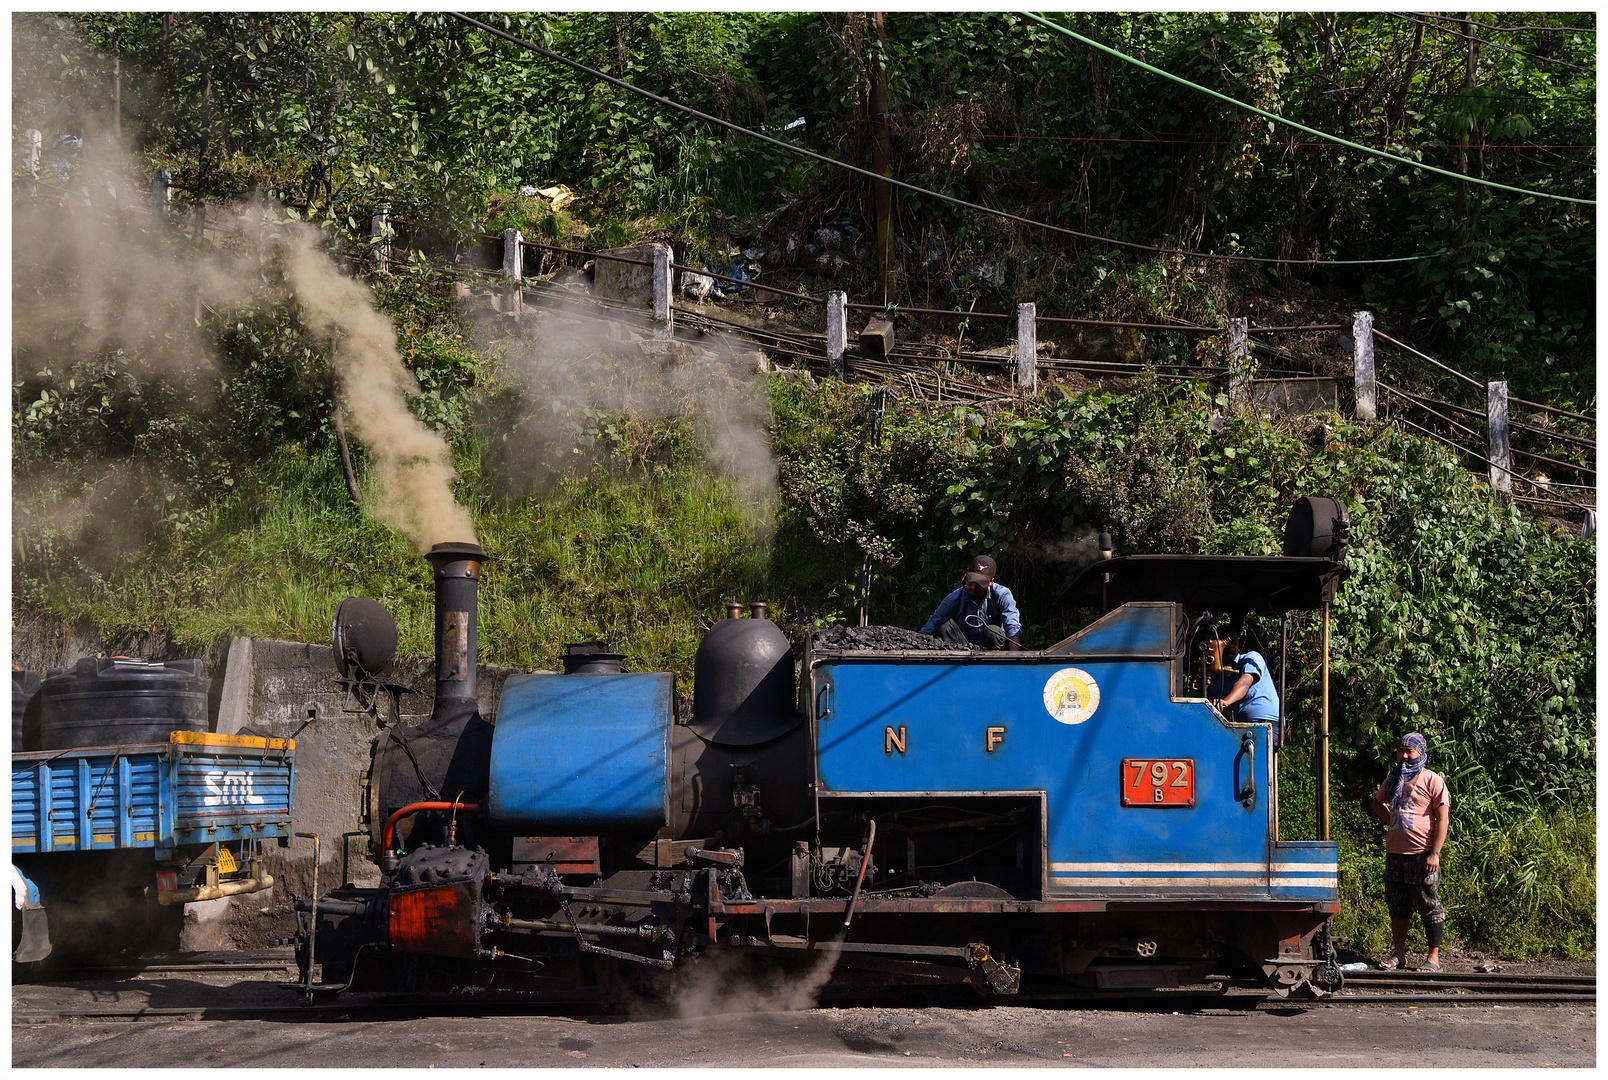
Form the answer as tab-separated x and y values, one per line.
1409	889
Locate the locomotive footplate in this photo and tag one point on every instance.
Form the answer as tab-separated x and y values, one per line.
974	906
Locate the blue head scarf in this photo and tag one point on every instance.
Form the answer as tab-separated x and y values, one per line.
1406	770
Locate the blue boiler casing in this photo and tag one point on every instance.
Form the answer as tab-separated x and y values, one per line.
588	753
911	725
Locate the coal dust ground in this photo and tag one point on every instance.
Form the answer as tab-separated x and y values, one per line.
1281	1035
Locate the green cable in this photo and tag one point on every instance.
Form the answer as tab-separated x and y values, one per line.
728	125
1180	80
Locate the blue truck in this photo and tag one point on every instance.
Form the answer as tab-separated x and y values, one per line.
105	839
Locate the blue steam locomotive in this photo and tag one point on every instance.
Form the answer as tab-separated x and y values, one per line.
1075	818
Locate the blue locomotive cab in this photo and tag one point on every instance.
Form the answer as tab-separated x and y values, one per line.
1145	789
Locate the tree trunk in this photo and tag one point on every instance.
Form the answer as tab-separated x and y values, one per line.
1462	136
1471	79
1398	111
339	424
338	421
202	163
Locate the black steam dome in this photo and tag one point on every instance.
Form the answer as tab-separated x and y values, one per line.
742	691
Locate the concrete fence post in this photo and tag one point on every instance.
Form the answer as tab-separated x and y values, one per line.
1362	365
513	251
380	232
1588	526
663	282
513	268
837	332
1496	436
1239	371
161	198
1027	347
32	148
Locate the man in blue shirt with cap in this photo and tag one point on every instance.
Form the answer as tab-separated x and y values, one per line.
1252	695
979	613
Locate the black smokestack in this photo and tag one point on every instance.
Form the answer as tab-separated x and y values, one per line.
457	577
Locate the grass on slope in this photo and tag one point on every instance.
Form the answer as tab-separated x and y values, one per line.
642	564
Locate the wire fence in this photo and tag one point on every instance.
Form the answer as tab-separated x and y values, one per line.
935	373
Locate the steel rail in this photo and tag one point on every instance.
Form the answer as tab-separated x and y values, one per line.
1552	461
749	283
1414	998
1556	436
1551	409
1481	458
1571	505
1381	335
1559	436
1411	400
416	1007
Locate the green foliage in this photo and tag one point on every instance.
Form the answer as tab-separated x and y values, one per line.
340	113
210	502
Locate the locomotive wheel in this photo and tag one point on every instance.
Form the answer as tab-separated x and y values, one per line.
1285	979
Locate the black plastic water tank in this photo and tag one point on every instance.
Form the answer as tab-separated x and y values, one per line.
742	691
106	701
24	685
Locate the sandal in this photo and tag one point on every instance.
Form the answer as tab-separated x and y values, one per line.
1430	967
1389	963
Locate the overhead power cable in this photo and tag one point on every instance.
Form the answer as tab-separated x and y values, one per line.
1180	80
1006	215
1548	29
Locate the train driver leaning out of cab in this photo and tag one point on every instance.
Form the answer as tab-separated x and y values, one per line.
980	612
1251	696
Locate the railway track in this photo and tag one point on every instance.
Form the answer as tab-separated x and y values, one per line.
1457	988
1362	988
1404	990
264	960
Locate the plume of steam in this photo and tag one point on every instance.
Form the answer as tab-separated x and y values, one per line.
1075	551
412	464
574	361
724	983
86	286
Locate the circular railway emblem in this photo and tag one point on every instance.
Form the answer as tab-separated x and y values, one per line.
1071	695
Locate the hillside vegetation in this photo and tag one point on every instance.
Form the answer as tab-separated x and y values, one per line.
178	471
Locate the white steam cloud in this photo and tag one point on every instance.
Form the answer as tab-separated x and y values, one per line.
725	983
412	465
569	360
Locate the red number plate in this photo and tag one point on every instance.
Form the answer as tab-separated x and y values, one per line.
1158	782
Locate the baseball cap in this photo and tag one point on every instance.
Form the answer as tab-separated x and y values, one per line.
981	570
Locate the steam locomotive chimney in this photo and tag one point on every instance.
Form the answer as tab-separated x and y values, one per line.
457	577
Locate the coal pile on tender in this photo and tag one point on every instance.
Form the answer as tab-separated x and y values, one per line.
883	638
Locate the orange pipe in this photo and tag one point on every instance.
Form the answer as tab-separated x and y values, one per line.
413	808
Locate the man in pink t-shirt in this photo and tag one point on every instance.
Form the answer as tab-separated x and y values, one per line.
1415	804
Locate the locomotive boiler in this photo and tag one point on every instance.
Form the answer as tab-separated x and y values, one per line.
1078	817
